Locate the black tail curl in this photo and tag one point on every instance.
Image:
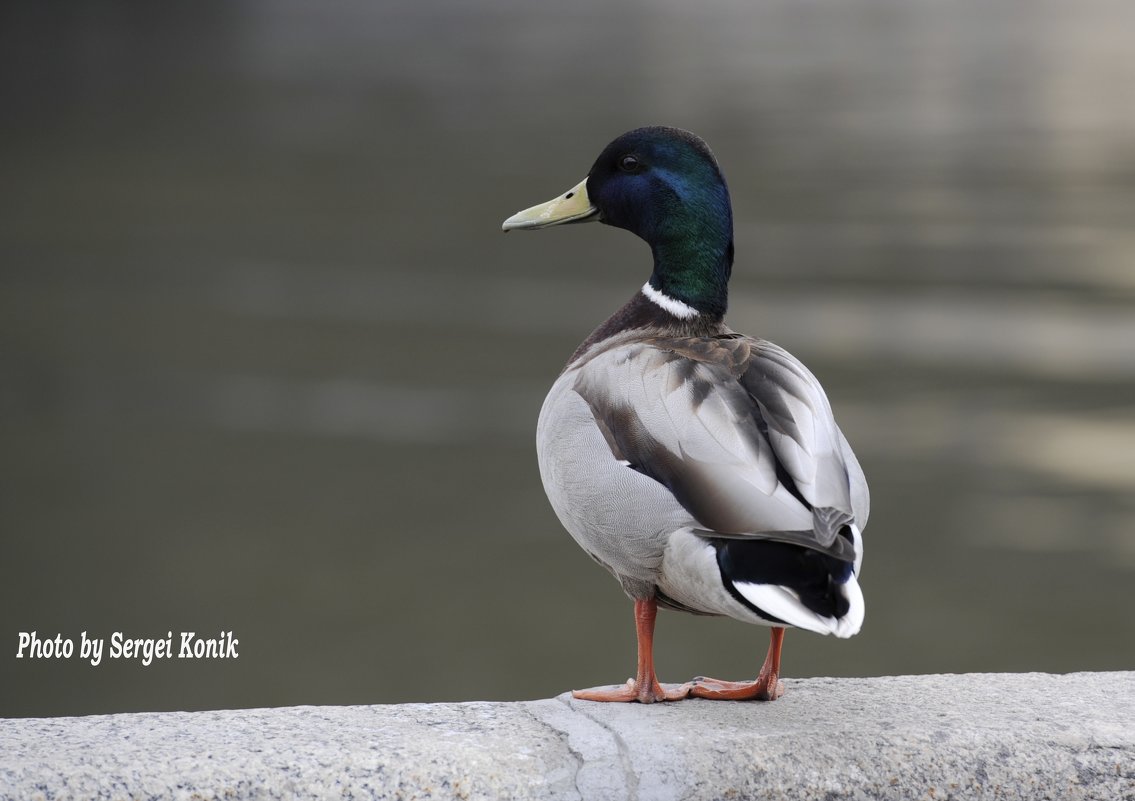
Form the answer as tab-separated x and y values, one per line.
815	577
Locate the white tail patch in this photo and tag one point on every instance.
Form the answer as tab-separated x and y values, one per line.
783	603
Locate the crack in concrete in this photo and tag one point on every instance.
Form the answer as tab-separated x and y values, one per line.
566	738
601	773
620	744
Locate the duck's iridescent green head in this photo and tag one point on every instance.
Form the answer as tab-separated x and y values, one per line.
664	185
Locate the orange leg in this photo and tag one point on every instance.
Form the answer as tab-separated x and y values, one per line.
645	687
766	687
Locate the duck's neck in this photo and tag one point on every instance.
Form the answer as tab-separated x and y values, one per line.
691	276
693	257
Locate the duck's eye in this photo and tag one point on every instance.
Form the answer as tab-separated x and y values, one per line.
628	163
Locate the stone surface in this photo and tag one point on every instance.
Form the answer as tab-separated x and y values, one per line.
1027	736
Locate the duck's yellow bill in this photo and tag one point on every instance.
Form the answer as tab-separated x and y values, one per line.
572	206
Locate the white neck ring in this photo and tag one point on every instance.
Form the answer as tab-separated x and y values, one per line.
675	307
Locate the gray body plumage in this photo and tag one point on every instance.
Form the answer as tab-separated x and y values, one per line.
652	446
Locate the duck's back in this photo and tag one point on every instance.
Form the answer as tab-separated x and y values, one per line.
726	436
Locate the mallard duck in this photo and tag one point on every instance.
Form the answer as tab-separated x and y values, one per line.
701	467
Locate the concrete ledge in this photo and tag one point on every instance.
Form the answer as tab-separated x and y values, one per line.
1011	736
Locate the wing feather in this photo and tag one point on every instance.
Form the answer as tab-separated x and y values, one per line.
737	429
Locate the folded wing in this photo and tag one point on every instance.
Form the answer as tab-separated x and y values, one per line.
740	433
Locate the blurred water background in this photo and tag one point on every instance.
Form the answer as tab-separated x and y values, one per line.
268	365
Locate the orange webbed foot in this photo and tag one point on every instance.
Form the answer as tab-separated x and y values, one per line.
762	689
649	693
